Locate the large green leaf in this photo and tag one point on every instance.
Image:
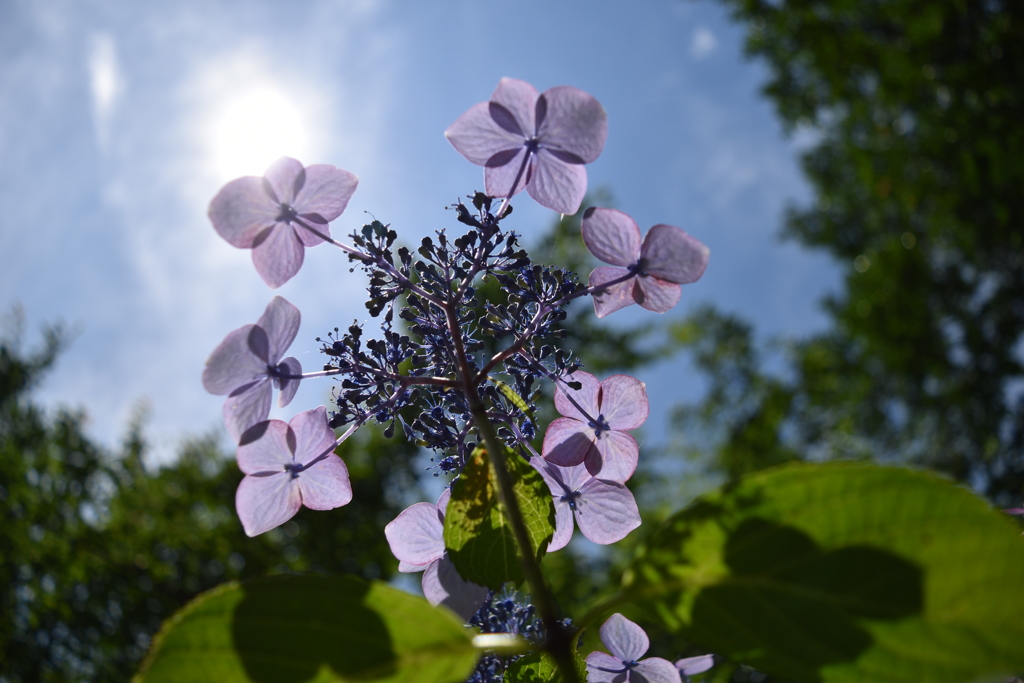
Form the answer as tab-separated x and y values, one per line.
842	572
538	667
477	532
294	629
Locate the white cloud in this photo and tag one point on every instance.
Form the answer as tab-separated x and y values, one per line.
105	84
703	43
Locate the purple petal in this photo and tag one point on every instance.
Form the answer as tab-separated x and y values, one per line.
281	176
611	236
557	185
586	396
264	503
673	255
615	296
326	192
563	525
280	321
476	136
270	453
325	485
520	99
498	179
656	295
288	387
603	668
246	407
567	442
606	512
313	435
574	122
233	364
624	402
416	536
442	502
442	585
278	256
689	666
623	638
613	457
657	670
241	211
408	568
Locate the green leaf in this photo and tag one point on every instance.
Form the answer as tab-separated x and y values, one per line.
477	533
299	629
539	667
841	572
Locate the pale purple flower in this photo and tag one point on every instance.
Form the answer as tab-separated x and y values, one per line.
248	363
291	464
534	141
627	642
691	666
264	214
667	258
604	510
593	429
416	537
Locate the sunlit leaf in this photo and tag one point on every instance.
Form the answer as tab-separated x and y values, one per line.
299	629
841	572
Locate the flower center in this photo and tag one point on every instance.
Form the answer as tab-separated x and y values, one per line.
286	214
294	468
599	425
570	497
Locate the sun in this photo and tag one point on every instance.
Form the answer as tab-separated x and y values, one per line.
255	127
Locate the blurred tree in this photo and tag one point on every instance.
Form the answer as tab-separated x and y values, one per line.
917	113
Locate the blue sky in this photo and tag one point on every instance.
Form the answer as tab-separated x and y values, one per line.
120	121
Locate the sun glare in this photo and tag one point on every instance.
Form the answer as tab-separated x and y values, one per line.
254	128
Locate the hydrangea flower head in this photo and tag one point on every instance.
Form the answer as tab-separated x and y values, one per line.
416	538
537	142
291	464
276	215
627	642
593	428
666	258
248	362
604	510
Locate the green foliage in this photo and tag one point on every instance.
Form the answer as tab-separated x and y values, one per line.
541	668
917	118
310	628
477	534
98	549
841	572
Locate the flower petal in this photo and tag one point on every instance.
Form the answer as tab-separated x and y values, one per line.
606	512
313	435
282	176
325	485
614	296
520	99
673	255
269	453
408	568
567	442
552	475
611	236
624	402
288	387
266	502
556	184
416	536
623	638
279	255
326	192
613	457
476	136
573	122
688	666
280	321
233	363
498	179
657	670
586	397
241	211
246	407
656	295
442	585
603	668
